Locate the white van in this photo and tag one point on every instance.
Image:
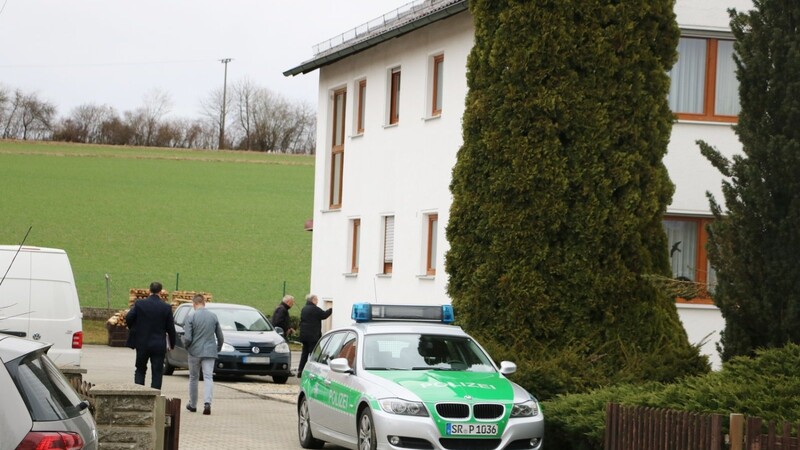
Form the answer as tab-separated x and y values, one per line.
39	301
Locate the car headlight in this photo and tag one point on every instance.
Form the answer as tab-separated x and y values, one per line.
403	407
525	409
227	347
283	347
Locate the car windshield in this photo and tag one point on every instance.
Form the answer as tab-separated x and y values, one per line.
241	320
424	352
46	392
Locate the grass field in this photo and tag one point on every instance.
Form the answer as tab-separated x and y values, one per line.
227	223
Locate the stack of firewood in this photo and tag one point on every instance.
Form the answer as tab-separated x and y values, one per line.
180	297
140	294
118	319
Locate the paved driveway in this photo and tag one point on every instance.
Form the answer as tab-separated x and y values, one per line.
247	413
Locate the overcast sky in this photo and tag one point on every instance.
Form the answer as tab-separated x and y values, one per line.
115	52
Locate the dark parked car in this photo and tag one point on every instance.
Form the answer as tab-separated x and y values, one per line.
252	345
39	408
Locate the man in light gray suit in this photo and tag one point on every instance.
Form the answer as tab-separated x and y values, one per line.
203	339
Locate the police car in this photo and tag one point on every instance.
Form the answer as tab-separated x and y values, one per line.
402	377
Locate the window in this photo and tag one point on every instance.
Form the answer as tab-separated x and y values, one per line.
394	96
388	244
430	260
337	148
687	238
704	85
436	94
360	106
356	244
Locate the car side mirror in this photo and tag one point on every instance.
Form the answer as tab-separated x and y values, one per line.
340	365
507	367
279	330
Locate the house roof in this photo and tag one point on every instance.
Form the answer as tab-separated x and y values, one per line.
405	19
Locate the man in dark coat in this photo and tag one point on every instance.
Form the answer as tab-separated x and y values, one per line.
280	318
153	333
311	317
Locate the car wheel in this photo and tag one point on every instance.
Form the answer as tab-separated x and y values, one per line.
366	431
280	379
169	369
304	427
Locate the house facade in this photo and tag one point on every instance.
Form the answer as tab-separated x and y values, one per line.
391	98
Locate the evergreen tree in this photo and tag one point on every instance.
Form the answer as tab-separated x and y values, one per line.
754	244
559	191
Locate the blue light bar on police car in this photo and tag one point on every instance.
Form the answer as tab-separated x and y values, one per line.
366	312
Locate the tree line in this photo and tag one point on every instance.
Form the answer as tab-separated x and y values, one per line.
256	119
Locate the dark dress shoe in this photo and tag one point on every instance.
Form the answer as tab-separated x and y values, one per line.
207	409
191	408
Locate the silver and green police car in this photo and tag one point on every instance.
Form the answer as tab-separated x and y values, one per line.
402	377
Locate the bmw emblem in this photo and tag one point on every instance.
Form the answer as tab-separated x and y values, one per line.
467	397
256	350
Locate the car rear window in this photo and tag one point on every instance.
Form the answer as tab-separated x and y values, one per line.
46	392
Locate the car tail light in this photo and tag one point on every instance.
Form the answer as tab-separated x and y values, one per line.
77	339
48	440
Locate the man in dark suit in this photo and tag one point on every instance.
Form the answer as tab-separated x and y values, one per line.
311	317
153	333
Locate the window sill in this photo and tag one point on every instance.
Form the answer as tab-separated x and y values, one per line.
429	118
391	125
705	122
350	274
426	277
357	135
383	275
335	210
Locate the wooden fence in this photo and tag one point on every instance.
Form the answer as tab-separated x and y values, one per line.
642	428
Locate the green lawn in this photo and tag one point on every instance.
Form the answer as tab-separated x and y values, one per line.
228	223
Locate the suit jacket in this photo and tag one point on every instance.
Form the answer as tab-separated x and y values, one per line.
311	317
202	334
151	324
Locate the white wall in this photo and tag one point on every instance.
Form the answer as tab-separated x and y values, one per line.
405	170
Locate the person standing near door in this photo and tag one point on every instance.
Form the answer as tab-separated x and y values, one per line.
311	317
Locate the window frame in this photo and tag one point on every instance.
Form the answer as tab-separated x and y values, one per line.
431	249
387	267
355	236
701	258
361	93
437	66
709	85
394	95
337	150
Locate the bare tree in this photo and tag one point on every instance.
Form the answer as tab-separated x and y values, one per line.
85	124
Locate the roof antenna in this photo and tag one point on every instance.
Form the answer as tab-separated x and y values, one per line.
15	255
375	289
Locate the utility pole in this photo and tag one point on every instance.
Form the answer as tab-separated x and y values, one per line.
224	104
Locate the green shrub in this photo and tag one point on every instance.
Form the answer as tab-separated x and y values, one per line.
765	386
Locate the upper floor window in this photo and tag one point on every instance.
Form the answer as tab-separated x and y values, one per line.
394	96
436	82
388	244
337	148
355	248
361	96
704	85
687	238
433	229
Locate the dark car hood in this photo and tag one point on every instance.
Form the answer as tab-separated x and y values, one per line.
252	337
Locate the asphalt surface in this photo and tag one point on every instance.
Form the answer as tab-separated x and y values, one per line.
247	413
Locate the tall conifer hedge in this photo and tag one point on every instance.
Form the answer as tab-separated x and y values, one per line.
559	191
754	242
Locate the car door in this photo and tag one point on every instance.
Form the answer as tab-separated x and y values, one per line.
178	355
318	385
344	390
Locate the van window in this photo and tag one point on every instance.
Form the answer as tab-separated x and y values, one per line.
53	300
46	392
181	313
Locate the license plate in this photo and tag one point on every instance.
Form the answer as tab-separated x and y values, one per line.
256	359
471	429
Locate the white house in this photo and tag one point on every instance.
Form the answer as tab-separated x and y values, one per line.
391	97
